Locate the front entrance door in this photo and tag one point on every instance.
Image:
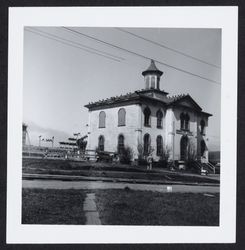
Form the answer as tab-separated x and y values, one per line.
184	148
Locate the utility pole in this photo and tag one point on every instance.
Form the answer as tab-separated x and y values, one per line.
39	140
173	139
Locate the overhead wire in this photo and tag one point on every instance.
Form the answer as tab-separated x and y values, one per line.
168	48
139	55
75	45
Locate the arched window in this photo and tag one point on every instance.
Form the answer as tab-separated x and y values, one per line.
147	82
202	123
159	119
147	142
153	81
184	121
120	145
102	119
159	145
147	117
101	144
121	117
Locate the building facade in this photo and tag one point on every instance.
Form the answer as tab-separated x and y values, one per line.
149	121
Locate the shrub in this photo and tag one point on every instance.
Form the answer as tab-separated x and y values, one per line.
142	162
126	155
163	158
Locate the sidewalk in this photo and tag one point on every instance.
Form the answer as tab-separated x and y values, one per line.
93	185
26	176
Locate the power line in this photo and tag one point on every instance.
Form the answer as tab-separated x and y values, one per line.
166	47
71	43
142	56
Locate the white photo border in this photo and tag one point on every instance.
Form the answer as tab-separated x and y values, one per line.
225	18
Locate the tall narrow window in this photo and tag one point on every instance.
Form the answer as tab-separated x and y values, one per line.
187	119
159	145
153	81
121	117
147	117
101	143
147	82
159	119
120	144
146	144
184	121
202	123
102	119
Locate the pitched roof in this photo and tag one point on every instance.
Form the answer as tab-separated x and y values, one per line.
152	69
142	94
177	99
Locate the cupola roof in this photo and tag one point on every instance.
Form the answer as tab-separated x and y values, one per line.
152	69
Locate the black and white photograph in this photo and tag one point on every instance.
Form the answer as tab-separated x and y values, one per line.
98	113
122	126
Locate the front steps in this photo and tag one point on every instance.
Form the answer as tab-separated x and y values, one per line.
205	167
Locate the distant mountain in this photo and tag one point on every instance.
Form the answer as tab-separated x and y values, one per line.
34	131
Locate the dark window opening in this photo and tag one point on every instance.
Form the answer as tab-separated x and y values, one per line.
184	121
202	123
146	144
101	145
147	117
159	145
159	118
120	144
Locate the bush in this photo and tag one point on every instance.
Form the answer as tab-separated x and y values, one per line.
161	164
142	162
126	155
163	158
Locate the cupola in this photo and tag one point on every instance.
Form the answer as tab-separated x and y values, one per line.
152	76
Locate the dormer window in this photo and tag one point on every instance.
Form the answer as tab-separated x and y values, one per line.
184	121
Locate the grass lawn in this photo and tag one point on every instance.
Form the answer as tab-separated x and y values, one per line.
61	167
52	206
129	207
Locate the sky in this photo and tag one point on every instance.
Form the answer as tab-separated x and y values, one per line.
65	69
